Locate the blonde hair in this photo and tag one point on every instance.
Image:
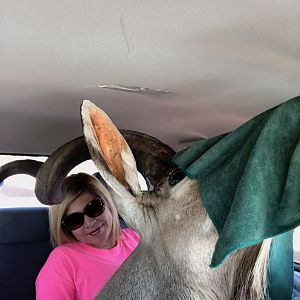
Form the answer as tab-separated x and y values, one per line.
73	187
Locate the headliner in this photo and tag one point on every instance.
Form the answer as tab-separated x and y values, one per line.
222	61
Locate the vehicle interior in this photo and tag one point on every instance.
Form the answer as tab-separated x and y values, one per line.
177	70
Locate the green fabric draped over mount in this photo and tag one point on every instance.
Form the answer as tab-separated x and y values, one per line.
249	178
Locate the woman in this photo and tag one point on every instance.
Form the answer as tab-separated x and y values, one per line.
90	245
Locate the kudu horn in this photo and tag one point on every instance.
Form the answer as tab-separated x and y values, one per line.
23	166
152	157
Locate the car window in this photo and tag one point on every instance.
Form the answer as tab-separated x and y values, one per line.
18	190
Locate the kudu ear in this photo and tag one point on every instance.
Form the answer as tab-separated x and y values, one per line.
109	150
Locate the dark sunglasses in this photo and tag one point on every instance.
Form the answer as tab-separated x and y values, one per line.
75	220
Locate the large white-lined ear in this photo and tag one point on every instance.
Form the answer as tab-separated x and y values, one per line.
109	150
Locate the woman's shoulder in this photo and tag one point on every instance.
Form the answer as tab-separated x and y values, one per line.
64	247
59	260
64	250
130	236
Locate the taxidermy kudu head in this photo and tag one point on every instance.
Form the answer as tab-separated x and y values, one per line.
177	236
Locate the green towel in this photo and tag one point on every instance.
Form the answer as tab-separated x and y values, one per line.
249	178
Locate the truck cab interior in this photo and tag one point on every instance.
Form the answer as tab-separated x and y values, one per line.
177	70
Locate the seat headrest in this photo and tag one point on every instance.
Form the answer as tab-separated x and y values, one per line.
19	225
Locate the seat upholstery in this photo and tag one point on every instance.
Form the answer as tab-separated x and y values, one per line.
24	248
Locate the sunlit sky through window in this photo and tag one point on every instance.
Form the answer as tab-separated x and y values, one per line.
18	190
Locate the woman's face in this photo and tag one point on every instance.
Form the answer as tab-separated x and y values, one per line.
96	232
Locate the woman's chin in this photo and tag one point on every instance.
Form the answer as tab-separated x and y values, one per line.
100	238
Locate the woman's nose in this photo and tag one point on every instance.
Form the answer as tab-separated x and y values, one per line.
90	222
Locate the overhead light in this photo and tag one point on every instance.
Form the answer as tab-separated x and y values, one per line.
133	89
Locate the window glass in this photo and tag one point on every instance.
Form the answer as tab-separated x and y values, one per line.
18	190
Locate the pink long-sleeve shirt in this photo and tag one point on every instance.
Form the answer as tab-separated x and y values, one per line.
79	271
